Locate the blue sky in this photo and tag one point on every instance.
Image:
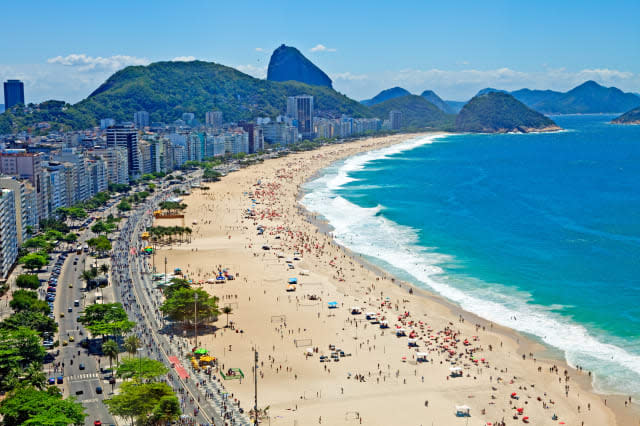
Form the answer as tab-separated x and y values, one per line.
65	49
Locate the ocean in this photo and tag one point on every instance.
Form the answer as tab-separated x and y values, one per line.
537	232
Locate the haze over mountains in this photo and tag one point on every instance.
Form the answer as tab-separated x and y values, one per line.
168	89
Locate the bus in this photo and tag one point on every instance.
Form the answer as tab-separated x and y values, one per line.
79	250
86	248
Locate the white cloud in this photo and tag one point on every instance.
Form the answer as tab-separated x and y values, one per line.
253	70
183	59
321	48
259	49
83	62
347	76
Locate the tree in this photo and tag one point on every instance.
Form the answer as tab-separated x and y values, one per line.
227	311
181	305
106	319
31	319
141	368
102	227
28	281
104	268
138	400
18	348
34	376
132	344
27	300
29	406
124	206
33	261
70	237
166	411
111	349
101	243
176	284
88	274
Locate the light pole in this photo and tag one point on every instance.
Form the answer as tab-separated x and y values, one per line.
255	383
165	270
195	324
140	365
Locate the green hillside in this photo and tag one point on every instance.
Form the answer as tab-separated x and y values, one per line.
417	113
629	117
497	112
168	89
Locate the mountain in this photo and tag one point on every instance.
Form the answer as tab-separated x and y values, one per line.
490	90
288	64
497	112
456	106
394	92
431	96
417	113
168	89
587	98
629	117
1	107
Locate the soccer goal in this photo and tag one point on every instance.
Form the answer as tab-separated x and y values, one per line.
303	342
278	318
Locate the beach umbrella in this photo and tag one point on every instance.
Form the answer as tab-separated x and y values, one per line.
201	351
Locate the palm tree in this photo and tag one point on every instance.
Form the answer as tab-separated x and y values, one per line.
132	344
34	376
88	274
104	268
228	311
111	349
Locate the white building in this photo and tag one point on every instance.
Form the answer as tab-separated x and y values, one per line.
21	205
141	119
8	232
117	164
107	122
213	119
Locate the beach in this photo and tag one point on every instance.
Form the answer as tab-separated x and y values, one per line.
431	360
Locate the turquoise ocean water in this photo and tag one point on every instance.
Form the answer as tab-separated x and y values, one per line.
538	232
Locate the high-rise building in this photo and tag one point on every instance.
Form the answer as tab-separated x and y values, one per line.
27	165
13	93
249	128
300	109
126	136
213	119
97	173
395	119
81	184
21	205
57	186
107	122
141	119
8	232
117	164
188	117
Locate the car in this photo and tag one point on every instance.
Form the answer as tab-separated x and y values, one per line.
61	314
98	390
81	366
70	285
70	309
97	423
71	338
51	289
52	381
60	380
65	343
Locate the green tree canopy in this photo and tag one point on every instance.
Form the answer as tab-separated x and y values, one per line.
181	305
28	281
100	243
146	368
124	206
33	320
105	320
33	261
138	401
27	300
70	237
18	348
29	406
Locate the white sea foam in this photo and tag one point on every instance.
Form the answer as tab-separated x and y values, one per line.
366	231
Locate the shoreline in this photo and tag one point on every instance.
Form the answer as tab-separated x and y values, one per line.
432	302
527	343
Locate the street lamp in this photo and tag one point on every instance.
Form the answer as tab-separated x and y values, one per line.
195	311
139	365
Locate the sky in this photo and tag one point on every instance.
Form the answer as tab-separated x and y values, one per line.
65	49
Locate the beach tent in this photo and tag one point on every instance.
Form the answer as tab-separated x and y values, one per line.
304	272
455	371
371	315
293	281
291	287
463	411
333	305
422	356
412	342
384	324
400	332
355	310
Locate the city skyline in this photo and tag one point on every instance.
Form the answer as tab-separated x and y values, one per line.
454	52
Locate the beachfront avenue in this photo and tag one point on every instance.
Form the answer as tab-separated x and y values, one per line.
202	397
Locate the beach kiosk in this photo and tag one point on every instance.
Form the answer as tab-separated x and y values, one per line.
371	315
355	310
333	305
293	281
456	371
400	332
413	343
422	357
384	324
463	411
